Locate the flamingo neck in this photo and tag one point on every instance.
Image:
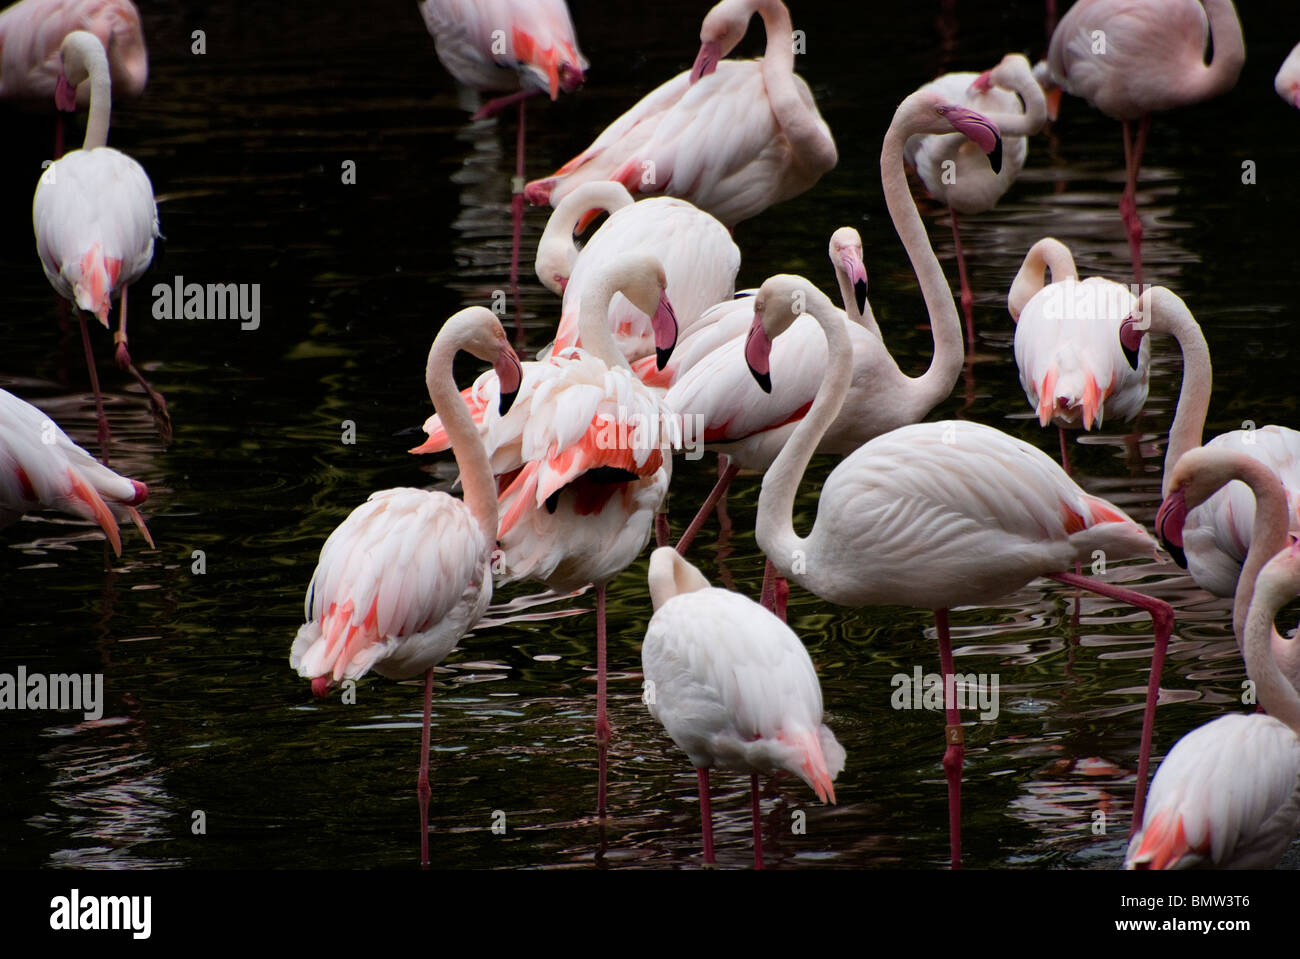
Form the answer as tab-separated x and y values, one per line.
1276	694
1268	534
1019	78
774	528
466	444
1047	254
1169	314
593	319
1221	74
557	241
800	124
935	383
670	575
101	103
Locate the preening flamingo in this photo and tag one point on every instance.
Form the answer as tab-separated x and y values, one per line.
528	46
734	688
95	221
699	258
409	572
732	137
1129	58
955	170
1072	367
951	513
40	468
1228	793
1218	532
1287	81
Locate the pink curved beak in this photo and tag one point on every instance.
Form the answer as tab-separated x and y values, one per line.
65	94
979	129
1169	525
510	373
758	354
664	324
856	271
1130	340
706	61
983	83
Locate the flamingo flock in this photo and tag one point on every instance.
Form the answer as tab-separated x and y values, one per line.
566	459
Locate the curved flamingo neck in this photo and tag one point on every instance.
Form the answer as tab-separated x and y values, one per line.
1268	534
557	238
466	444
797	120
774	528
1276	694
1169	314
1221	74
949	346
1018	77
1047	254
91	54
593	317
670	575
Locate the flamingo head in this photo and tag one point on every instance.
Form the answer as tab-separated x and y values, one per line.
846	251
780	301
758	352
1169	525
642	280
65	95
81	54
320	686
477	331
976	127
983	83
706	61
723	28
1131	333
510	373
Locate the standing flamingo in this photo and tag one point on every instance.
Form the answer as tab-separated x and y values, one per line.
1129	58
528	46
955	171
1228	793
1287	81
952	514
40	468
95	221
734	688
1218	532
733	137
409	572
1072	368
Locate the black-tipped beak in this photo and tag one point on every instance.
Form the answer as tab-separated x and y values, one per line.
507	401
662	356
1176	552
1131	356
860	292
764	380
1130	341
1170	519
995	156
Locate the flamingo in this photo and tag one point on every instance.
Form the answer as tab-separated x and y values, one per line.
409	572
755	426
954	169
1129	58
32	31
953	513
734	688
1287	81
529	46
1217	533
1228	793
40	468
1072	367
95	221
732	137
699	258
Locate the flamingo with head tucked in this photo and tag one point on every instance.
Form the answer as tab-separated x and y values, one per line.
733	137
1287	81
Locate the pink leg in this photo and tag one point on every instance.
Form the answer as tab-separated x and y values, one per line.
1162	619
517	224
780	596
724	521
967	298
1128	200
706	815
710	501
1065	451
493	107
765	598
157	405
758	827
104	437
662	531
602	719
422	790
955	755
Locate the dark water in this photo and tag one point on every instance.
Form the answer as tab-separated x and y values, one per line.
245	145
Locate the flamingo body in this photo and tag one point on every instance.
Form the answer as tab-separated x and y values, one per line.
31	32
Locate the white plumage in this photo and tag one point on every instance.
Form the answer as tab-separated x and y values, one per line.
32	31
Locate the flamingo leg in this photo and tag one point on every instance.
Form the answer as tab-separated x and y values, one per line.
493	107
710	501
663	533
602	719
955	754
157	405
517	223
104	436
967	298
706	815
1128	200
1065	451
724	521
422	790
758	827
1162	619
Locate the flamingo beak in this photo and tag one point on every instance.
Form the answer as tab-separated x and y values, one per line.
1053	98
510	373
1130	340
65	94
1169	525
320	686
706	61
758	353
979	129
851	260
664	324
983	83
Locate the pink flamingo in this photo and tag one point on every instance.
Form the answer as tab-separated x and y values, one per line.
1287	81
32	31
955	171
528	46
1218	532
734	688
1129	58
1228	793
732	137
955	513
1072	368
409	572
40	468
95	221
